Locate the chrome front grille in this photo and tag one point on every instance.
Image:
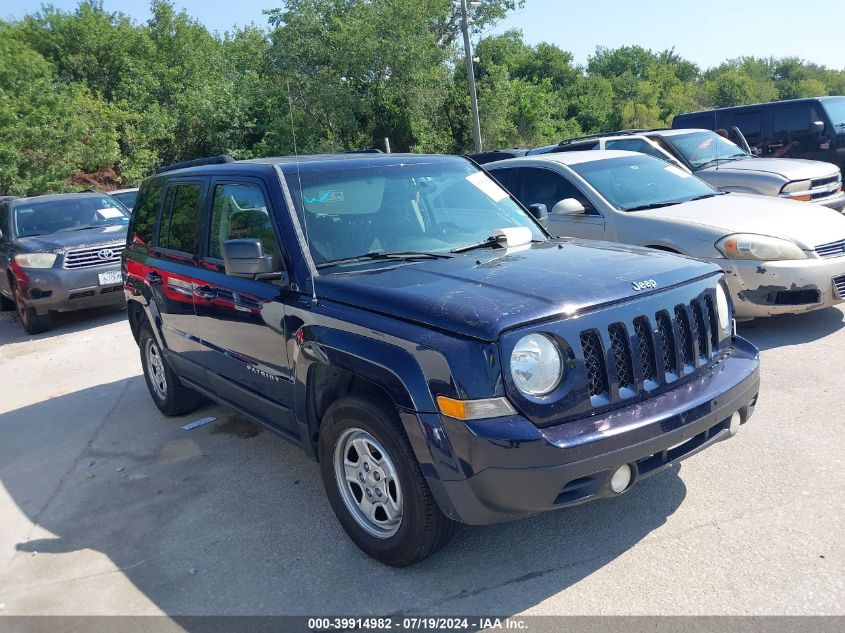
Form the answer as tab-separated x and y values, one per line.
636	356
839	284
832	249
94	256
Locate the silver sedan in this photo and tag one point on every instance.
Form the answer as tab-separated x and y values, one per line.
779	256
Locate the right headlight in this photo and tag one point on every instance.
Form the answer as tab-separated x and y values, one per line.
536	365
758	247
723	307
35	260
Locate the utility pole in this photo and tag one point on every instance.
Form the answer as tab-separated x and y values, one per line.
465	24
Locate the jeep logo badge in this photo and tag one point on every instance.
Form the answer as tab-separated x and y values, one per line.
643	285
105	254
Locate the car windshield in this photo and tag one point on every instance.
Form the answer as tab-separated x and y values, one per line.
409	208
705	148
634	183
836	111
72	213
127	198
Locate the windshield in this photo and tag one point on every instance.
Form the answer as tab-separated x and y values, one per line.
704	148
41	217
401	208
633	183
836	111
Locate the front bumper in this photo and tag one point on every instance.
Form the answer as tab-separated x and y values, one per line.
836	202
762	289
513	469
60	289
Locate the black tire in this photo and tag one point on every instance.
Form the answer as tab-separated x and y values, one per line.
31	321
423	529
175	398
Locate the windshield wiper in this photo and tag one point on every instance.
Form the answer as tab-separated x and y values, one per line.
654	205
375	256
707	195
78	228
485	243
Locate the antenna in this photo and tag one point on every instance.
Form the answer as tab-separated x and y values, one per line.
299	180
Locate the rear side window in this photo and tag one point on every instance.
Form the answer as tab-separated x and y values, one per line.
180	230
750	123
636	145
240	211
145	216
4	220
703	121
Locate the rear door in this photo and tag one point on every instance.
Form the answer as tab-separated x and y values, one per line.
173	263
241	321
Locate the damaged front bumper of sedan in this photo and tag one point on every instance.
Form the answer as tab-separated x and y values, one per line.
762	289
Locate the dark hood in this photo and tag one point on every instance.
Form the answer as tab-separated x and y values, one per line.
70	240
484	292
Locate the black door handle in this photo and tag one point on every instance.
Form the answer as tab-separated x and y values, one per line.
205	292
154	278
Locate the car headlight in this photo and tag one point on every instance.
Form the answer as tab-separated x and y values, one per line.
536	365
35	260
723	307
758	247
794	187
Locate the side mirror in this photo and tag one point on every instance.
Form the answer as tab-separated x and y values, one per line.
538	210
816	127
246	258
568	206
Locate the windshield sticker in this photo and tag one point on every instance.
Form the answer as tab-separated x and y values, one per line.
678	172
487	186
325	196
109	213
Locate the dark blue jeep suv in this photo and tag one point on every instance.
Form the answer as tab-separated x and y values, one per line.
414	329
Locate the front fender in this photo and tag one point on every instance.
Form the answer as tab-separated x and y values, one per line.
393	367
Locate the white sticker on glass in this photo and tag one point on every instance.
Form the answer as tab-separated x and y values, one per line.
487	186
678	172
109	212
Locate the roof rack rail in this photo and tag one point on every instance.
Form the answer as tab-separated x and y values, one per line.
211	160
372	150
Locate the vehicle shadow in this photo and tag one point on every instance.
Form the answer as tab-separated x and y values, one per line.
792	329
229	519
61	323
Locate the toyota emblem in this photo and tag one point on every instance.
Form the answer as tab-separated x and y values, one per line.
106	254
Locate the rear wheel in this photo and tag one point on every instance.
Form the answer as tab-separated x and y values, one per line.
31	321
375	485
168	393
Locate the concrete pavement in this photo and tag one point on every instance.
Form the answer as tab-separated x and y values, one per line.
109	508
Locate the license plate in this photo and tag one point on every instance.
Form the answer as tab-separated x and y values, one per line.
109	278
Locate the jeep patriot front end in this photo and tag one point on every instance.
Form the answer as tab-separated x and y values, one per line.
414	329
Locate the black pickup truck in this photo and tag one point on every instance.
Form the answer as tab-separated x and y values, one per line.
416	331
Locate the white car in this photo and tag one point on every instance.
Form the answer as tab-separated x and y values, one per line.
779	256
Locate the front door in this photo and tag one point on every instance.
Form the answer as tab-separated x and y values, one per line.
240	321
793	134
539	185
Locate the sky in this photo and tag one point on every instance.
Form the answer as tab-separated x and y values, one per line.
706	32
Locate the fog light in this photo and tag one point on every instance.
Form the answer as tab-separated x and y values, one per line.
736	420
621	478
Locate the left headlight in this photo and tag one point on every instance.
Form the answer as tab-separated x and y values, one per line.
536	365
758	247
35	260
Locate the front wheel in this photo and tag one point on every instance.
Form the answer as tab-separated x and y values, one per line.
375	485
31	321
